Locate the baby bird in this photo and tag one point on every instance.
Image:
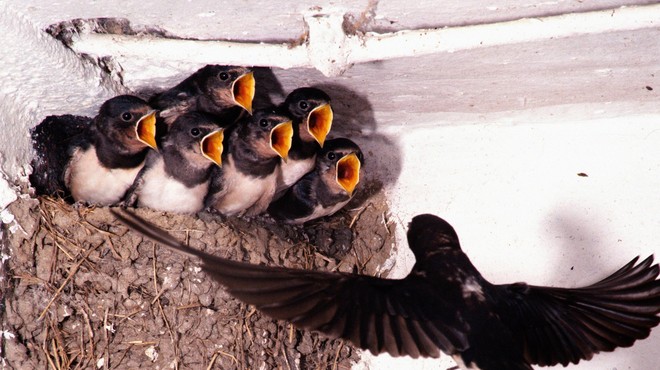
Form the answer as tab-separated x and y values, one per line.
176	179
223	91
312	119
326	189
246	183
111	151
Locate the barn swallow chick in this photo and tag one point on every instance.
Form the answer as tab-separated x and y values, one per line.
111	151
176	179
245	184
445	305
312	119
326	189
51	140
223	91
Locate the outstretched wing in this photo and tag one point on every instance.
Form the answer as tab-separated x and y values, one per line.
400	317
556	325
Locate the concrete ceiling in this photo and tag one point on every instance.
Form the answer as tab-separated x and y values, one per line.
267	20
611	67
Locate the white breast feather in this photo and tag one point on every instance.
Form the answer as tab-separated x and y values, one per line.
164	193
90	182
244	194
292	171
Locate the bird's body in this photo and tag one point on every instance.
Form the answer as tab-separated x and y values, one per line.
243	192
324	190
444	304
163	192
246	183
293	170
108	156
176	179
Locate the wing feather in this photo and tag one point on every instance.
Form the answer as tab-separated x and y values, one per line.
558	325
380	315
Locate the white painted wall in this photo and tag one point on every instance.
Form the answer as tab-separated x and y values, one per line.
37	78
491	138
510	188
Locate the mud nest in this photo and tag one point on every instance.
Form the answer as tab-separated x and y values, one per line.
82	291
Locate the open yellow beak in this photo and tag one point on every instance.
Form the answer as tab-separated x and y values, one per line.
243	91
145	129
319	122
211	146
348	172
280	138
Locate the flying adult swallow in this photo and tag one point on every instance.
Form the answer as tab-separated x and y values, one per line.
176	178
51	140
324	190
223	91
246	182
111	151
445	305
312	120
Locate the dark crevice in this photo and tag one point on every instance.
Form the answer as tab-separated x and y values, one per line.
112	71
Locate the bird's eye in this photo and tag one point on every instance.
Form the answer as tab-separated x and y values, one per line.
223	76
126	116
332	156
303	105
195	131
263	122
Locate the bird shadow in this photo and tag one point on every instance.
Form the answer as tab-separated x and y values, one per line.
269	90
581	258
574	241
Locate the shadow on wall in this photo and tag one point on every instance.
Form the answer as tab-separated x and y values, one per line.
579	243
269	90
354	118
